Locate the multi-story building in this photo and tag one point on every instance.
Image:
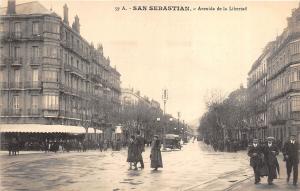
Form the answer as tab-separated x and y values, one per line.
49	74
257	92
140	113
283	81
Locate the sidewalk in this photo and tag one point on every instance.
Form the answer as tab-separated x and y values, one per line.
279	183
5	153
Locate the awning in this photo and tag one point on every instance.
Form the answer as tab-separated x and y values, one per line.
118	129
99	131
40	128
91	130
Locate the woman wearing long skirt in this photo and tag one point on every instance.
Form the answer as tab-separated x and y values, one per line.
155	156
132	153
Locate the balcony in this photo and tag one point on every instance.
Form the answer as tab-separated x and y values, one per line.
36	61
295	115
18	61
16	35
4	112
16	85
15	112
34	112
33	85
37	37
295	85
51	112
4	61
278	119
3	85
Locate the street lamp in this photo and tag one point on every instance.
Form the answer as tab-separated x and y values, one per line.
164	98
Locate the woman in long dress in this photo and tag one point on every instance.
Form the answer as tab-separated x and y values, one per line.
132	156
155	156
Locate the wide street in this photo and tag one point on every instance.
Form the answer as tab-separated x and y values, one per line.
195	167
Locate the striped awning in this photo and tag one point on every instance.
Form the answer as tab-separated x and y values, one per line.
40	128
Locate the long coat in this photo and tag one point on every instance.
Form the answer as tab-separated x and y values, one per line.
132	152
140	146
292	151
155	156
271	160
255	160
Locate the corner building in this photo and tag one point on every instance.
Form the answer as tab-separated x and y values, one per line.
283	81
49	74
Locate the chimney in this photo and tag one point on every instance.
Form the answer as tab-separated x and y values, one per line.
11	7
76	25
66	14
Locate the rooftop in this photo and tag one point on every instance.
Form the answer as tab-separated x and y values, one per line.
29	8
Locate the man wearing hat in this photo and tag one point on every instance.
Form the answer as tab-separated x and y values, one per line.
270	152
291	157
255	152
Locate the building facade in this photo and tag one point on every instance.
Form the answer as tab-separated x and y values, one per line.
257	92
278	72
49	74
140	113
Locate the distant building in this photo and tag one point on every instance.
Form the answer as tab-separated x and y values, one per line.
49	74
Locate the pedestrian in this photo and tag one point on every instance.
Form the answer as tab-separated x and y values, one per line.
141	148
255	154
291	157
270	152
132	153
105	145
155	156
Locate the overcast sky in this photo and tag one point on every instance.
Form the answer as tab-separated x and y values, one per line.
189	53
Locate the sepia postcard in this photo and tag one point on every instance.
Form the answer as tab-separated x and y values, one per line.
101	95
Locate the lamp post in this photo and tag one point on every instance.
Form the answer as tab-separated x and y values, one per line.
158	120
178	115
164	98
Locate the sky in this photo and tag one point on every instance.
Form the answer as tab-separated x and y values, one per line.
189	53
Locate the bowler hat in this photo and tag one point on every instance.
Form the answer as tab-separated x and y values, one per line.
255	140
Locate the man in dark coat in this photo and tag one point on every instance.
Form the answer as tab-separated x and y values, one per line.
255	152
270	152
291	157
141	148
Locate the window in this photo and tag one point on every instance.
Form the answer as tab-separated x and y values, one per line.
72	41
34	102
35	51
35	28
1	76
296	104
1	52
17	76
50	76
51	51
16	102
1	27
17	29
66	58
72	64
54	52
17	52
50	101
35	75
1	102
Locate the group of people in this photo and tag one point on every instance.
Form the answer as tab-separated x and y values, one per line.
136	147
228	145
263	159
